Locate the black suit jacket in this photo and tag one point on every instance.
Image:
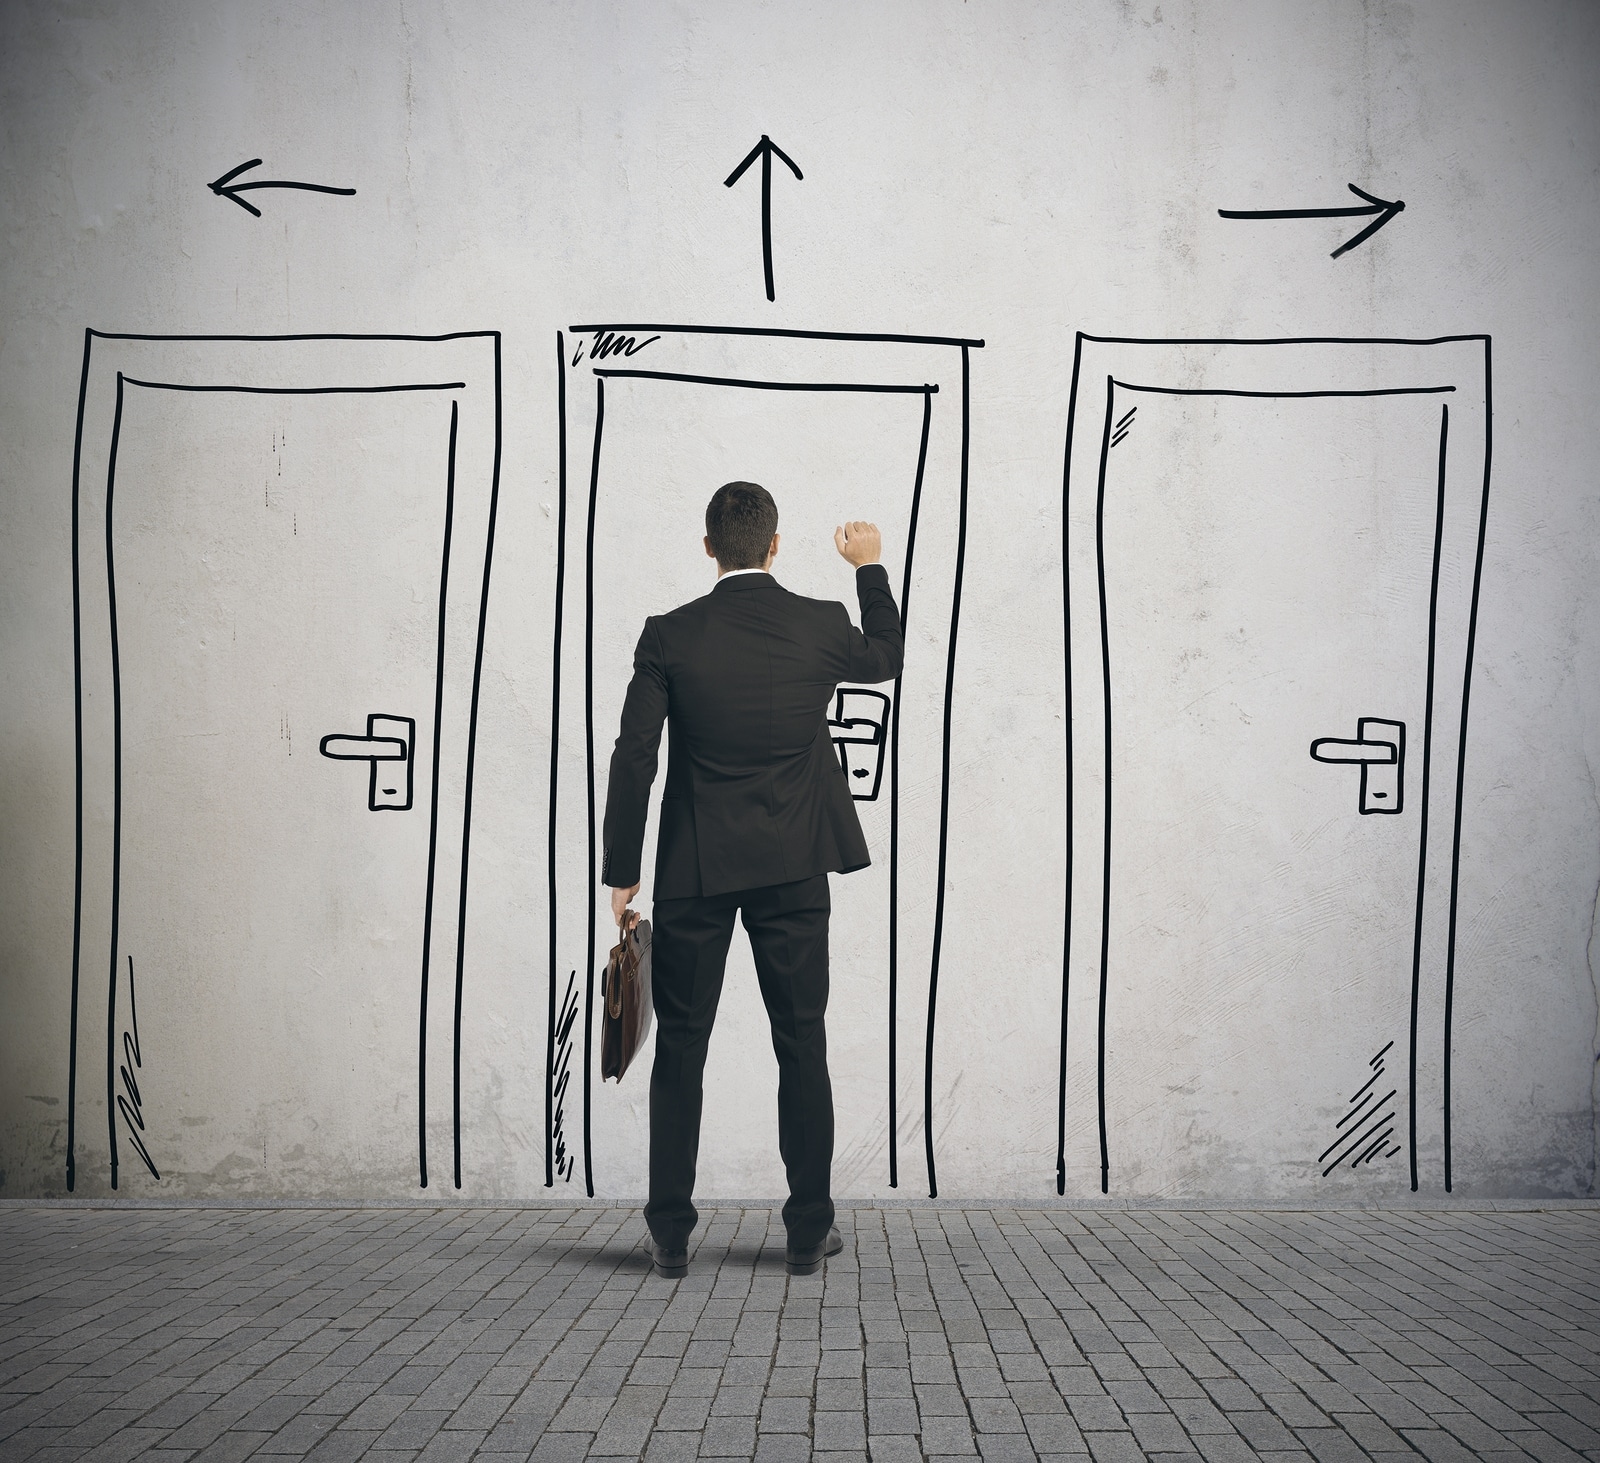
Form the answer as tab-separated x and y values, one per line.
743	678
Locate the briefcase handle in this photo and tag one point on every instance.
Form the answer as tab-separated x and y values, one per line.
613	981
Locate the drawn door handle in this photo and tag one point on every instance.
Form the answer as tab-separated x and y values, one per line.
389	740
1379	749
859	739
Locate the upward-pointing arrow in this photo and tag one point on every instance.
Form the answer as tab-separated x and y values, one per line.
764	150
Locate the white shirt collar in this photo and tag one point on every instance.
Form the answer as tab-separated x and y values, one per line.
731	573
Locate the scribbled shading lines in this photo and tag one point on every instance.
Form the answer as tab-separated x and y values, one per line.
563	1076
612	343
1124	426
1363	1133
129	1102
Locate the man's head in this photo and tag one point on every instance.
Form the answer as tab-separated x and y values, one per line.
741	527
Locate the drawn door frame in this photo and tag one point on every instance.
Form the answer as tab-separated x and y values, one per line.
1457	369
936	367
465	364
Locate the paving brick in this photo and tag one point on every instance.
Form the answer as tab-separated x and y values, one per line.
737	1400
729	1437
1114	1447
834	1431
1006	1448
341	1447
785	1415
948	1435
673	1447
1157	1432
1224	1448
893	1449
1330	1444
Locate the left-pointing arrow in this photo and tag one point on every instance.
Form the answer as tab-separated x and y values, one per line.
225	187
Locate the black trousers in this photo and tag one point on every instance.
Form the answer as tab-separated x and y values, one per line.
788	929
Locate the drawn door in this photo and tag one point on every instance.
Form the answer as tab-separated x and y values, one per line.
277	577
836	428
1285	568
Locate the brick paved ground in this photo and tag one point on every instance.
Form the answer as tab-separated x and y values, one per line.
221	1334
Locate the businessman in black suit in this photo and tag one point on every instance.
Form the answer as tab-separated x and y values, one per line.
755	815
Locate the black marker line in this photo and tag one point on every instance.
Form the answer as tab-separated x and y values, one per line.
433	810
116	794
854	335
612	344
1359	1106
77	725
1355	1162
588	726
1285	395
889	389
1344	1157
320	335
944	775
764	150
1461	752
1384	208
894	811
1427	753
302	390
132	1108
111	1066
1365	1125
1355	1135
563	1041
588	1028
472	750
555	750
1066	642
1272	339
1368	1083
1354	212
1105	882
225	187
1377	1143
1377	1060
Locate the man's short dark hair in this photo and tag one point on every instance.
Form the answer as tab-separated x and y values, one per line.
741	519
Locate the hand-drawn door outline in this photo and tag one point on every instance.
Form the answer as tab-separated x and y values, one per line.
1111	374
936	368
462	368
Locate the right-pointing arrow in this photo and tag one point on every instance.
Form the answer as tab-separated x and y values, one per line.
1384	209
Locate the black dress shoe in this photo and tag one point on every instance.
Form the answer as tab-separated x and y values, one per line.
809	1260
669	1264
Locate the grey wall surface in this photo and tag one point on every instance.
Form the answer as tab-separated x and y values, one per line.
1254	571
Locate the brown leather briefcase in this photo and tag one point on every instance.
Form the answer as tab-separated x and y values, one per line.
626	996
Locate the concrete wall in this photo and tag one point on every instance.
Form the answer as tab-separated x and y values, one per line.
242	954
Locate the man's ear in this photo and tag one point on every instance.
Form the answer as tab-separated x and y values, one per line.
711	553
772	552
